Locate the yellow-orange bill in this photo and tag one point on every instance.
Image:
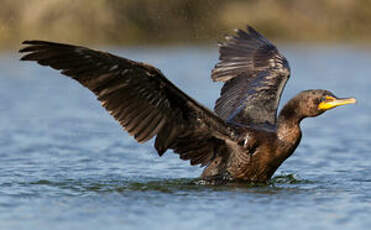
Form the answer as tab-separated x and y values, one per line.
329	104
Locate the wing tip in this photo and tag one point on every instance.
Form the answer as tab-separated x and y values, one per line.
23	58
249	28
30	47
28	42
249	35
25	48
161	149
35	42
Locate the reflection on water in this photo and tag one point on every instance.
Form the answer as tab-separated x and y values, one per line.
164	185
66	164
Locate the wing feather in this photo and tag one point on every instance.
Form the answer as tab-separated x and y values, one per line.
139	97
255	74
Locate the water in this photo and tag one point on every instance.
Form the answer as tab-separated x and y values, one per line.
66	164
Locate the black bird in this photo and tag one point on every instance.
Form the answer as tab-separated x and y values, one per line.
243	140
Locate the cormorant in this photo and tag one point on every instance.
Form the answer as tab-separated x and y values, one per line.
243	140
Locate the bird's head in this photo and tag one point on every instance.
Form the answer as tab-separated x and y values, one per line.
315	102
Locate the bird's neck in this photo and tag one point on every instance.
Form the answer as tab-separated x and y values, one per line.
288	125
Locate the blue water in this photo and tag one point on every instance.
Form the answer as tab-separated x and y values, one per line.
66	164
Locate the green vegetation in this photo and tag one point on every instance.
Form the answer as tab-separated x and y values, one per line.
128	22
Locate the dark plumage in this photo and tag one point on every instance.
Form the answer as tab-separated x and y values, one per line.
243	141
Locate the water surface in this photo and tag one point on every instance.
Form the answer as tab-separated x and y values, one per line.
66	164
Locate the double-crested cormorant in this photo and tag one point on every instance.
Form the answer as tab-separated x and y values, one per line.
243	140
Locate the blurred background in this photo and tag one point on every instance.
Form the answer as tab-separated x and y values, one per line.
138	22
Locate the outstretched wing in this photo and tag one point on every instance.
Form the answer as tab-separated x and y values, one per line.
255	74
139	97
